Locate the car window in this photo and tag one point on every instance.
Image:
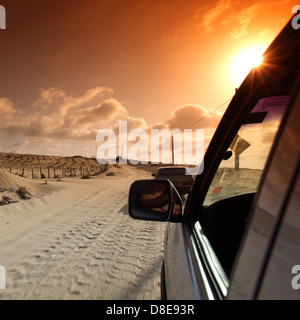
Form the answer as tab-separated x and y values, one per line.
248	152
229	198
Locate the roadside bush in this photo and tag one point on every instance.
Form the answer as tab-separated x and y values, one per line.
85	177
23	193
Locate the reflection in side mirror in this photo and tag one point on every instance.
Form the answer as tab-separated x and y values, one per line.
154	200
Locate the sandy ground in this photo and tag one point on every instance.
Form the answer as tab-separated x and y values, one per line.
74	239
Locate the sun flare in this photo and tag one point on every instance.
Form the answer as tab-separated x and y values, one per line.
245	61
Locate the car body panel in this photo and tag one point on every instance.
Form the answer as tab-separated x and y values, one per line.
281	274
178	259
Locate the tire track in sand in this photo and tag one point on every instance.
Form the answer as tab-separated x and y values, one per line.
96	251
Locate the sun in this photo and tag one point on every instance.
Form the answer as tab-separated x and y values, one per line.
244	61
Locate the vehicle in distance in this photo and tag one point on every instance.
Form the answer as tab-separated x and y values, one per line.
179	176
238	235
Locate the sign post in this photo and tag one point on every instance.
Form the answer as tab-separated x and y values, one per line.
238	146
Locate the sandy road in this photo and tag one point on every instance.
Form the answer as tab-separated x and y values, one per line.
79	242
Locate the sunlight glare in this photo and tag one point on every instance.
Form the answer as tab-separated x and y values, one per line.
245	61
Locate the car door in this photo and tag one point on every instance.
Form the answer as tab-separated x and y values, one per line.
201	253
211	241
269	260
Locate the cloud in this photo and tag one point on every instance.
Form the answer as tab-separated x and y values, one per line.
104	112
243	20
6	107
55	100
193	116
57	115
215	13
264	32
184	117
227	13
59	123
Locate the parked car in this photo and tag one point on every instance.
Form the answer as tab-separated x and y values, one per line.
179	176
238	236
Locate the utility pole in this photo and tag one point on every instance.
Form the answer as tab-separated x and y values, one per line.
172	145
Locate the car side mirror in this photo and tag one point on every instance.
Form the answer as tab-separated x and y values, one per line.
156	200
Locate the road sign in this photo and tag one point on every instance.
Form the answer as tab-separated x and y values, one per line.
239	145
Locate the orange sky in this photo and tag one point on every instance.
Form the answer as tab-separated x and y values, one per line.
70	68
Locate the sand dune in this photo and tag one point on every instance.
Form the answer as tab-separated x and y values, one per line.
74	239
34	166
13	187
10	181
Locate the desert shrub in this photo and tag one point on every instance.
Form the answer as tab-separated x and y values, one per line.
23	193
110	174
85	177
43	176
6	200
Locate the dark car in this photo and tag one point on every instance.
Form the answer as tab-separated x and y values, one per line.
238	236
179	176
